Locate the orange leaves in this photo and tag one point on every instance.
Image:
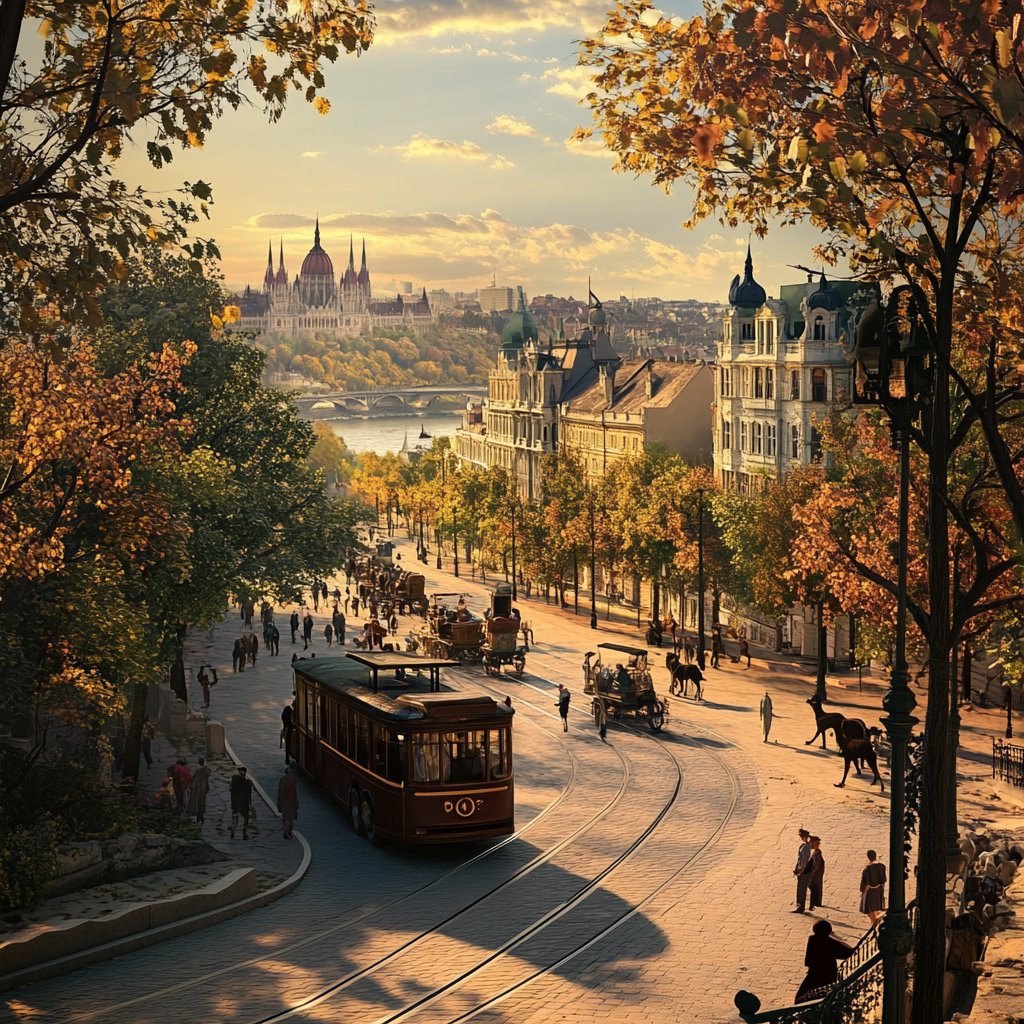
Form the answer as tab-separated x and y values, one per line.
706	139
823	132
868	28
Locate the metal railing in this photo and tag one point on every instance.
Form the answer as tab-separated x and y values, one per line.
855	996
1008	763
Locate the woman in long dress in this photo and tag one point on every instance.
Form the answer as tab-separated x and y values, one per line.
288	801
872	888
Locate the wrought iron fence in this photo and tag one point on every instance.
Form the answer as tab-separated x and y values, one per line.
1008	763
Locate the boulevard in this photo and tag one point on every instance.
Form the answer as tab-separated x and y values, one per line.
650	878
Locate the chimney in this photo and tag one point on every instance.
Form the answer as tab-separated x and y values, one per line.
607	379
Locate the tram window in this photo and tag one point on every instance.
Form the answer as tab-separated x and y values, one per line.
307	715
379	765
300	702
396	759
326	721
465	758
426	757
342	729
362	731
498	745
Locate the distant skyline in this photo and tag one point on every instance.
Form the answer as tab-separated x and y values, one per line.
446	147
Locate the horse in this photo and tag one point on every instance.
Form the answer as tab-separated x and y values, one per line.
682	675
850	728
858	750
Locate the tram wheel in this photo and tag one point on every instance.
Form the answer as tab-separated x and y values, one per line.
369	825
356	812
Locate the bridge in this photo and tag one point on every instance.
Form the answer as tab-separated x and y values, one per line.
383	399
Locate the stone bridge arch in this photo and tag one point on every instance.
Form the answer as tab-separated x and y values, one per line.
389	402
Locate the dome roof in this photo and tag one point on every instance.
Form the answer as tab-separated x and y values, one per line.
826	297
520	329
317	263
747	293
598	317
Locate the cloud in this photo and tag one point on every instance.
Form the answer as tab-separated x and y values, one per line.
589	147
520	58
500	18
574	82
423	147
450	249
509	124
486	53
525	77
313	154
450	49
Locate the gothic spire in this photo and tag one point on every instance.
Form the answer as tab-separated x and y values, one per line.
280	262
364	254
351	253
316	234
270	254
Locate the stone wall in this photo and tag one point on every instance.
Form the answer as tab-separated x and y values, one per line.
92	863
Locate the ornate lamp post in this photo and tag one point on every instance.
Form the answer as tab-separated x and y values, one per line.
440	514
593	578
515	591
700	578
886	335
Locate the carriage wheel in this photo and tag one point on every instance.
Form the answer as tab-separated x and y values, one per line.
518	664
656	716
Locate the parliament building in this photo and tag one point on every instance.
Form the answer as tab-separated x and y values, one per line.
315	301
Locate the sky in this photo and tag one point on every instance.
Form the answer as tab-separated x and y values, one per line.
446	149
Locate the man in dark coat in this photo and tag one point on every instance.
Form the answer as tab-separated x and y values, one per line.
293	622
339	626
802	871
241	801
872	888
823	953
329	634
254	649
817	879
197	794
275	640
307	630
563	706
286	732
287	801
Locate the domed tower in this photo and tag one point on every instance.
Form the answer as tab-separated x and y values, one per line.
317	275
520	329
363	280
600	339
820	311
747	294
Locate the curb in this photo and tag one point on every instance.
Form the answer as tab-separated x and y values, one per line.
173	930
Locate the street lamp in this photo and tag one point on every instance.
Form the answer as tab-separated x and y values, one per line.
700	578
515	592
440	515
879	331
593	576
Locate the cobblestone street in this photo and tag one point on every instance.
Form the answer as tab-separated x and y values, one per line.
650	877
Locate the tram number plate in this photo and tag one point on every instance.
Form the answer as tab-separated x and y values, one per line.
464	807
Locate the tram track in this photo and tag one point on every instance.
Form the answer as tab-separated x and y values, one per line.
367	915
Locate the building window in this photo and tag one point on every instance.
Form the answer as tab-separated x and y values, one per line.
769	439
760	337
743	435
758	382
769	337
794	385
769	383
818	389
726	382
795	435
745	378
819	328
747	332
757	438
815	446
726	435
545	434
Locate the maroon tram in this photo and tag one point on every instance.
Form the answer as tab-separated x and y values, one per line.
413	767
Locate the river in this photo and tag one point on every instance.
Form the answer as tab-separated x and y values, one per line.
382	434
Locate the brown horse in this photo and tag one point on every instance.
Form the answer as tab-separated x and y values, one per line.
682	675
842	727
859	750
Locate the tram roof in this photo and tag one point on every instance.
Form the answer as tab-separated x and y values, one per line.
346	676
622	649
399	659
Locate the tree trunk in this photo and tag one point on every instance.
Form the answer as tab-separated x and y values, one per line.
930	939
655	602
133	741
819	679
965	684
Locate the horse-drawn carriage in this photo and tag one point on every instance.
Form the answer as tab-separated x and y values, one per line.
451	629
620	677
503	628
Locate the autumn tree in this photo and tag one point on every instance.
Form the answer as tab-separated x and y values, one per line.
896	128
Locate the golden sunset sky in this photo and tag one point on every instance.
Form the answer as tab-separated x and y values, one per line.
446	148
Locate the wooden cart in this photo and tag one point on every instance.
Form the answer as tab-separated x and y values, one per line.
620	677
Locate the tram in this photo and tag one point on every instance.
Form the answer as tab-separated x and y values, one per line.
411	765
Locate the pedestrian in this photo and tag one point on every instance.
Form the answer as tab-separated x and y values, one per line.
205	682
688	651
241	801
817	878
287	801
293	622
316	597
802	871
823	953
766	715
328	633
248	610
236	654
601	719
323	592
872	888
716	648
147	742
286	732
394	624
254	648
307	630
197	794
266	635
336	593
339	627
182	781
744	650
563	706
275	639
